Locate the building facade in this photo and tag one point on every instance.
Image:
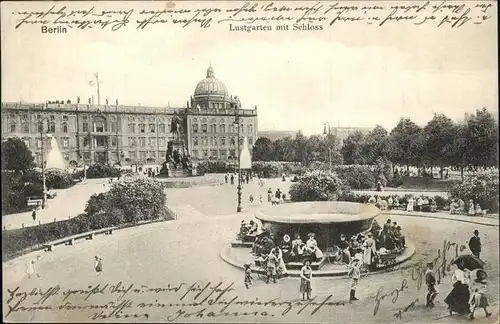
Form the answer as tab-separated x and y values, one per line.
134	134
342	133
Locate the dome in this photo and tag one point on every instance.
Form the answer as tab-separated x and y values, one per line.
210	85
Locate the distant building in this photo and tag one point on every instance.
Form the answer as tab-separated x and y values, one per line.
134	134
274	135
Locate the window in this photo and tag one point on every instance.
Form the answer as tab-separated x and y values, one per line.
152	128
86	141
26	127
232	153
65	128
222	128
113	127
142	141
162	153
231	128
214	141
233	141
250	141
195	153
204	141
27	142
12	127
142	128
52	117
132	154
66	156
204	128
52	128
195	128
64	117
101	141
161	141
38	143
152	154
222	153
250	128
241	140
195	141
40	127
100	126
24	117
205	153
114	141
143	155
222	141
161	128
214	153
152	141
65	142
213	128
131	128
85	126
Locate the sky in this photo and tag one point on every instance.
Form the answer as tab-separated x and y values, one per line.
347	75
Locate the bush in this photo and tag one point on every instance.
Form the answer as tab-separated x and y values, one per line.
99	171
130	199
397	181
214	167
357	176
318	186
481	187
58	179
268	169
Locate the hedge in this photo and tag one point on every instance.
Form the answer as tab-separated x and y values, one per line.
318	186
96	171
481	187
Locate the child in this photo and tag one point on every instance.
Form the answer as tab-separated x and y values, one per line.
98	265
251	198
248	275
430	280
478	299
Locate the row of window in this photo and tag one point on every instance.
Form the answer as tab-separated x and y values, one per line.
214	153
99	127
204	128
64	142
214	141
151	128
151	141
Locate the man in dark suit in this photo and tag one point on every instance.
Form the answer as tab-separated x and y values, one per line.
475	244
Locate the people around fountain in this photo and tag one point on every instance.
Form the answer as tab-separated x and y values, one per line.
286	248
281	267
344	248
369	252
272	263
306	280
354	276
269	195
298	248
277	195
248	275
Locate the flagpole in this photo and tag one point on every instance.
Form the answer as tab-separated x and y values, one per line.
98	94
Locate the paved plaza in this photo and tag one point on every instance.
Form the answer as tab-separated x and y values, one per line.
185	253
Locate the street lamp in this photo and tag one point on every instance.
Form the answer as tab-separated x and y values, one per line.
40	126
327	132
237	122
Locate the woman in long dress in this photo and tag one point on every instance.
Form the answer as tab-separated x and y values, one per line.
31	267
369	252
472	211
458	299
305	280
409	207
281	268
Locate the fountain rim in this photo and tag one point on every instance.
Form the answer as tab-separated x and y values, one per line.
318	217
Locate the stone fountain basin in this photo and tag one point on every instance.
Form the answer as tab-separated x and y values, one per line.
324	212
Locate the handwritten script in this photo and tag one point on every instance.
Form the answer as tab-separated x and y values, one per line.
259	16
106	301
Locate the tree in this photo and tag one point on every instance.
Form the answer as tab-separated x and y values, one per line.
16	156
482	139
405	143
352	148
262	149
375	145
439	140
301	149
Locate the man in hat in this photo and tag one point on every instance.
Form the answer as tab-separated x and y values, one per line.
430	280
475	244
354	275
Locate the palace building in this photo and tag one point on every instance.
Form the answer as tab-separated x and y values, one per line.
135	134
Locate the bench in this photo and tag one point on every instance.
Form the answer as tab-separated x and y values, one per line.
34	201
71	239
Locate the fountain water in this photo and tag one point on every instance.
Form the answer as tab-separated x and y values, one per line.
54	158
245	159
